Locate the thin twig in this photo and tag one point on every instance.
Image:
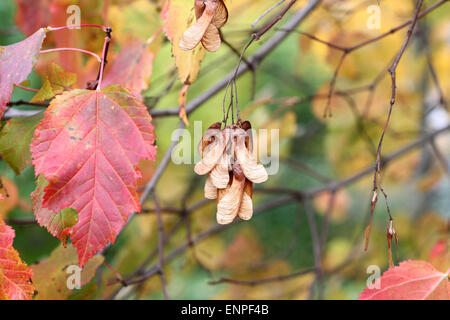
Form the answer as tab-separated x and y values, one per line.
377	185
278	202
267	12
271	24
104	60
346	50
160	246
316	245
263	281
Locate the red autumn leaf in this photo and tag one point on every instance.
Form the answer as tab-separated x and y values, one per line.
411	280
16	62
70	61
440	248
32	15
131	68
88	147
440	254
15	276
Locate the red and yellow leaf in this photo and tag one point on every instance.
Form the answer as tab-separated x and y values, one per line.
9	196
411	280
88	147
57	80
178	16
15	276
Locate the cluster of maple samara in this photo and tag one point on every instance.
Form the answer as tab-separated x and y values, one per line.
211	15
232	169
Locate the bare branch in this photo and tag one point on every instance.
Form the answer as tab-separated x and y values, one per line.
160	246
292	197
265	280
255	60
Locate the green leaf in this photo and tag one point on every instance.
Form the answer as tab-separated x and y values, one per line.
56	81
67	218
51	274
58	224
15	139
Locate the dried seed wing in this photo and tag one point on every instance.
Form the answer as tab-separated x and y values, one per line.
221	16
229	201
208	137
210	189
249	188
199	7
211	39
237	172
247	127
220	175
254	171
211	156
246	209
192	36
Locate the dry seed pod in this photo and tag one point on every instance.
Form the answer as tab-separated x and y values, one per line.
246	209
209	136
246	126
210	189
194	34
211	15
211	155
229	199
221	16
211	39
220	174
232	170
199	7
253	170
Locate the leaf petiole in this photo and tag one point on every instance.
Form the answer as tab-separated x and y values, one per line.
74	49
76	27
102	66
26	88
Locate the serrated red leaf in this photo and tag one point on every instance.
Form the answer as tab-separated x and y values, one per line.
411	280
15	276
16	62
88	147
131	68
